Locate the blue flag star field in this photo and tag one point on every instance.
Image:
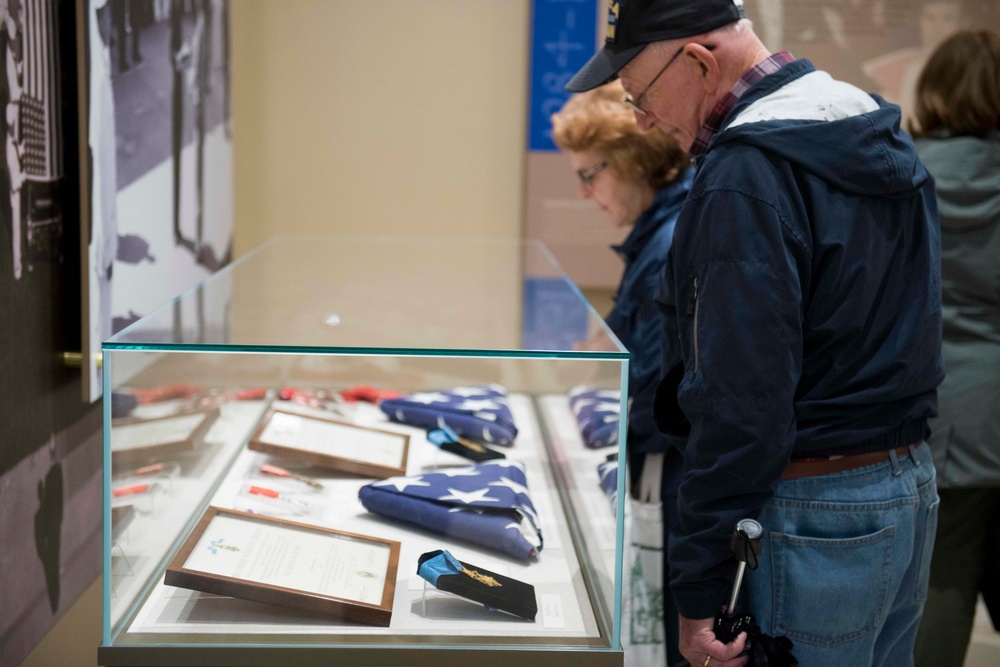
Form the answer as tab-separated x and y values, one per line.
486	503
597	414
477	413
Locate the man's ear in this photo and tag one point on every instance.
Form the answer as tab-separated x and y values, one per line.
704	63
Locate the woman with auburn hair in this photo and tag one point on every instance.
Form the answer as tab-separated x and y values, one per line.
957	130
639	179
599	133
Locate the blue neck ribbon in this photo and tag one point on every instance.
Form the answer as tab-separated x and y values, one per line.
440	565
439	436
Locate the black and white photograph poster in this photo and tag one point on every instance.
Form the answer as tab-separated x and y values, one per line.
49	439
160	158
33	172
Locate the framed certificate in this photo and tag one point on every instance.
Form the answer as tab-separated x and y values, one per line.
249	556
144	439
330	443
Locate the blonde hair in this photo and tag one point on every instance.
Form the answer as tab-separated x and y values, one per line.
958	91
597	120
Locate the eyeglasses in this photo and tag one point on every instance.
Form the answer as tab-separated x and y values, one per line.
634	104
586	176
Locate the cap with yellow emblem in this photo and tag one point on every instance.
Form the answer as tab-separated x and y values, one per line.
632	24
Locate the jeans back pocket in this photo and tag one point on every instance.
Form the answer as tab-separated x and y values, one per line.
830	591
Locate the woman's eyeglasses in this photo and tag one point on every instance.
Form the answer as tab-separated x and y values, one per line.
586	176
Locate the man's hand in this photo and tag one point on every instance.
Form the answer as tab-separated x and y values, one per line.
698	643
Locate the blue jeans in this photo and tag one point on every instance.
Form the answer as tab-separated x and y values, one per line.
846	561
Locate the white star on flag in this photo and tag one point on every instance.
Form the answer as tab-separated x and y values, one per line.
527	511
401	483
474	510
511	484
469	497
428	398
527	531
478	405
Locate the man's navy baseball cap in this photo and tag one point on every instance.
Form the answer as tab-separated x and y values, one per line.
632	24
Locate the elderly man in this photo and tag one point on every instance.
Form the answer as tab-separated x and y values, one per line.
803	296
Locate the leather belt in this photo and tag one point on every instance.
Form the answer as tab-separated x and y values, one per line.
798	468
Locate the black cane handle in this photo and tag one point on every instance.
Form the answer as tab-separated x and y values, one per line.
747	541
745	544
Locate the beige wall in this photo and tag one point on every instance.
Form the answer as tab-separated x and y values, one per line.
382	116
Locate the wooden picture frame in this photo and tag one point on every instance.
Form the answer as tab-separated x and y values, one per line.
135	440
276	561
332	443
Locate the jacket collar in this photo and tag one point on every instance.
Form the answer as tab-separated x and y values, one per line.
665	203
766	86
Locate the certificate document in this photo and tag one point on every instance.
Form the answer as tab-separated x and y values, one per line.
134	439
333	444
288	563
154	432
291	557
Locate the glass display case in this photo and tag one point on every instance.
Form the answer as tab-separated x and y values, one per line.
288	443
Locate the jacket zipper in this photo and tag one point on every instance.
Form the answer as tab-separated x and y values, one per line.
694	306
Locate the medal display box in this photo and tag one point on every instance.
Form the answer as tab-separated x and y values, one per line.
312	364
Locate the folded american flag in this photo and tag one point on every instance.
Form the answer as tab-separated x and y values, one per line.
486	503
607	471
597	414
477	413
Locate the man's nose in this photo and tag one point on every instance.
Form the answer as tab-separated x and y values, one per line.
644	121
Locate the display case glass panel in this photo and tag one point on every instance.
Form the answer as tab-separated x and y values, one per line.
487	337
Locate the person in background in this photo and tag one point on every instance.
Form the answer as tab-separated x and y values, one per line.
957	126
802	302
131	18
639	180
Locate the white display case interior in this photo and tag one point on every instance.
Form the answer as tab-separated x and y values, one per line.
303	345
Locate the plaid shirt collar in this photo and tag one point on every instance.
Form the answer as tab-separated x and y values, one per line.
714	123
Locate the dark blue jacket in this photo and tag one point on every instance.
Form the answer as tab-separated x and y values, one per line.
804	293
636	318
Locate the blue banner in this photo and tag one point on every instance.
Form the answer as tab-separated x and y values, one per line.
563	38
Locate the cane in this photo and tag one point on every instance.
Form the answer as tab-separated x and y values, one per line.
762	650
746	543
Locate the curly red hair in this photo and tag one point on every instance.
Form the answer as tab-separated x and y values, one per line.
598	120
